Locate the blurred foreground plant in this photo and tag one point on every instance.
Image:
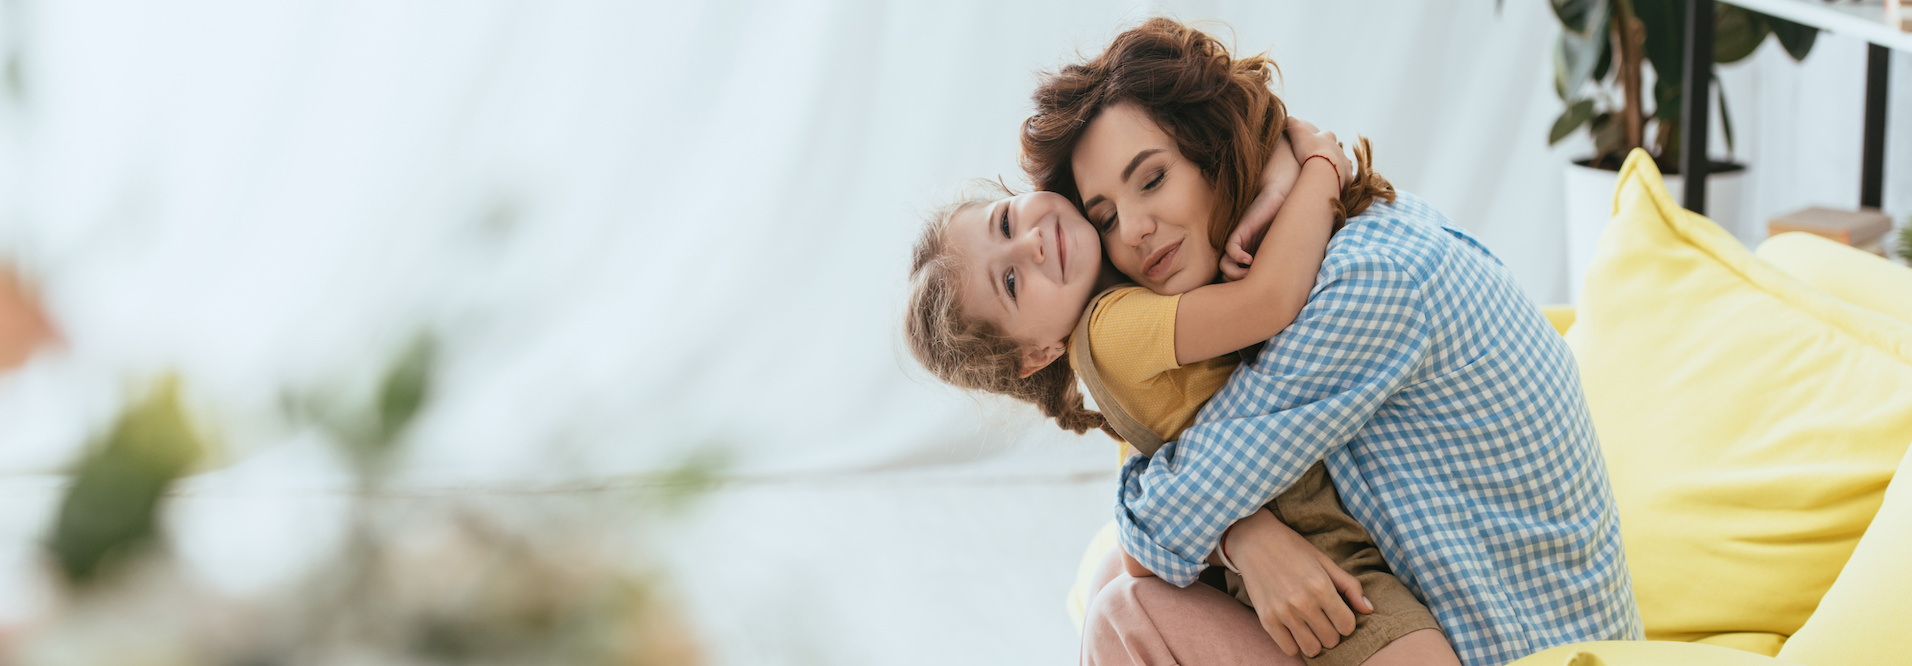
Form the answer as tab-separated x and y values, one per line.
109	510
470	579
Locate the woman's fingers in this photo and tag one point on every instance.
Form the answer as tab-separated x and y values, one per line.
1326	631
1279	632
1348	585
1296	624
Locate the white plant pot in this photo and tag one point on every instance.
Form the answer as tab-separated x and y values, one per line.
1590	205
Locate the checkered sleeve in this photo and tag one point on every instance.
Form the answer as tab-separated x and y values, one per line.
1359	339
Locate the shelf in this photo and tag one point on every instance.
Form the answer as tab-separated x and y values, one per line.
1865	20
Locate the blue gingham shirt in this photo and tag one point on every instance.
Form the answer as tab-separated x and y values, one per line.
1452	421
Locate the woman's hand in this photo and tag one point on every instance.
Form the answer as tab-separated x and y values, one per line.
1277	179
1297	591
1310	141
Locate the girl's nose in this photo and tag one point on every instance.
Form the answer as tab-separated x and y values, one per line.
1031	245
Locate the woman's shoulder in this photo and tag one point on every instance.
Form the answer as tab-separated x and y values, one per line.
1406	236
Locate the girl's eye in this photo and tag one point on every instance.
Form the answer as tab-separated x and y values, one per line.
1009	283
1157	180
1005	222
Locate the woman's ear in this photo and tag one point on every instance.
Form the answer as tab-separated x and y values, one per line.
1036	358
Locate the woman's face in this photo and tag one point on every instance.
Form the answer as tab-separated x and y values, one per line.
1152	206
1030	264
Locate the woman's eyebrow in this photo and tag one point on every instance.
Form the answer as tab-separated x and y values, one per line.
1126	172
1138	162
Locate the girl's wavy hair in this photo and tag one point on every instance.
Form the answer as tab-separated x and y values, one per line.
970	353
1219	110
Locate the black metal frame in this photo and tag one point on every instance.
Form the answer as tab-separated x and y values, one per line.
1698	92
1872	161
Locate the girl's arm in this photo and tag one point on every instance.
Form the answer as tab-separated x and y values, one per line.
1217	319
1277	180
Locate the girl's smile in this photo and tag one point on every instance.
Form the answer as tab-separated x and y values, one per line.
1018	273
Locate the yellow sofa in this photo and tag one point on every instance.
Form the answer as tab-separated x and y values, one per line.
1754	409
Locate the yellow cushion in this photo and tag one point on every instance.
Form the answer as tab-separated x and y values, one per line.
1750	422
1561	316
1855	276
1863	618
1644	653
1099	548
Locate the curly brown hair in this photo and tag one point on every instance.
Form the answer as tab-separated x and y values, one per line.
971	353
1218	109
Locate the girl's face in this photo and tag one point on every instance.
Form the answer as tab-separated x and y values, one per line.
1030	264
1152	206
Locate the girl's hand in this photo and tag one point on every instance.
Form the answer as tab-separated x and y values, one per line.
1310	141
1297	591
1277	179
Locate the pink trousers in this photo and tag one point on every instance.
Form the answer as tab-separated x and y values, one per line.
1149	621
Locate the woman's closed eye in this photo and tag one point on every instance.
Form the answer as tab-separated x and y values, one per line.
1155	181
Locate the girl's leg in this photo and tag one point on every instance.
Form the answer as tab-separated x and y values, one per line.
1146	621
1426	646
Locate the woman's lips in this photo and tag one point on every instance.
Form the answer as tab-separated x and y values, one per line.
1160	261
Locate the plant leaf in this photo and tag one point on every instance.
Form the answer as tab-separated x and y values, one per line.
1736	32
1665	24
1796	38
1725	119
1581	45
117	489
406	387
1570	120
1609	136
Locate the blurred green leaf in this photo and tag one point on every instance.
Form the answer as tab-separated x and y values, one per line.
1609	136
1725	119
1570	120
406	387
1905	240
109	510
1581	46
1665	24
1736	33
698	474
1796	38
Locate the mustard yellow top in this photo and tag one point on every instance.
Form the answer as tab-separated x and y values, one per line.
1133	333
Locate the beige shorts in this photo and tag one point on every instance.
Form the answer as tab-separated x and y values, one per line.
1313	508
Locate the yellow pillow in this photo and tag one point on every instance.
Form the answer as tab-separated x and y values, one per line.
1863	618
1644	653
1104	541
1855	276
1750	422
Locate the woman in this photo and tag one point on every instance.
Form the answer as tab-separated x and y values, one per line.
1448	412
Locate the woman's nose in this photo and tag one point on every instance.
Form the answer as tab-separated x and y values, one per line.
1131	232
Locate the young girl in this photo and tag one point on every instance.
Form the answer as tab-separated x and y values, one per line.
1000	288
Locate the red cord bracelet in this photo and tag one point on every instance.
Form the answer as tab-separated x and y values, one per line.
1331	165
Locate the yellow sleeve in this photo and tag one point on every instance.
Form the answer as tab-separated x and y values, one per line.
1133	332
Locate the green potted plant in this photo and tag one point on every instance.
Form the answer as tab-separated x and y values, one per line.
1600	63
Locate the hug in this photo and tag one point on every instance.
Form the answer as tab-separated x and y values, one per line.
1348	436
